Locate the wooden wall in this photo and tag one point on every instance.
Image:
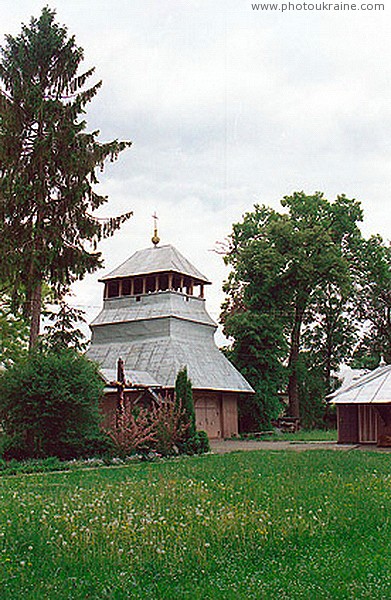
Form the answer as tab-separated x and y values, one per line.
384	425
208	412
216	412
347	421
230	415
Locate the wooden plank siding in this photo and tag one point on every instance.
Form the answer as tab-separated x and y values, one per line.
367	424
216	413
347	419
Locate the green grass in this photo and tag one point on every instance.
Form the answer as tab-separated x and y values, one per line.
273	525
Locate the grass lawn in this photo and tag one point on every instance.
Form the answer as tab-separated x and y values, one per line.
273	525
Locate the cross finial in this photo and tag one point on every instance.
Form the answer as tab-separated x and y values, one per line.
155	238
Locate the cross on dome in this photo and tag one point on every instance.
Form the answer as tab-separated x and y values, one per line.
155	239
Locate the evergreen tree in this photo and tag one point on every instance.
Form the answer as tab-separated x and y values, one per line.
62	332
184	398
48	165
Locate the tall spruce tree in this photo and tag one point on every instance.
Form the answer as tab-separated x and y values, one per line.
48	165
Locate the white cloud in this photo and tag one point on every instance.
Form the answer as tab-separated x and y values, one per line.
227	107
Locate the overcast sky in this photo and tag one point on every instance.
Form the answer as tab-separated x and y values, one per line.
227	107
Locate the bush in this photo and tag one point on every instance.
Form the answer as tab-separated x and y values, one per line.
158	429
49	406
170	426
198	444
131	432
184	399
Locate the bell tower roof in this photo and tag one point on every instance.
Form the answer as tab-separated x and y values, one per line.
157	259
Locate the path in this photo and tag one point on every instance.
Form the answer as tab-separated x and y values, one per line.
224	446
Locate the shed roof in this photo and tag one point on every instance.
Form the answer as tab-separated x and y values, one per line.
157	259
373	388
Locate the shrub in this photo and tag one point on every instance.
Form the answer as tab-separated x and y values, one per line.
184	398
171	427
193	441
132	431
198	444
49	405
158	429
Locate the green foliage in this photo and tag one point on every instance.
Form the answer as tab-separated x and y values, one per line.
48	165
257	352
312	393
281	265
199	443
17	467
331	332
13	333
372	271
49	406
62	331
191	441
184	399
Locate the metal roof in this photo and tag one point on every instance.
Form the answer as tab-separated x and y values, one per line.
153	306
162	358
133	378
373	388
157	259
156	334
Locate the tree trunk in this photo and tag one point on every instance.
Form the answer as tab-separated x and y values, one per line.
293	384
36	307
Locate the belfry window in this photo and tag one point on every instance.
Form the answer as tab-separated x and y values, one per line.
150	284
113	289
126	287
163	282
138	286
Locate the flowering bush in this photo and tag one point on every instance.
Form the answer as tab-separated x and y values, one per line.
170	426
132	432
158	429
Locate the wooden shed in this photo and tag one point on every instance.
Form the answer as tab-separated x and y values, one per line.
364	409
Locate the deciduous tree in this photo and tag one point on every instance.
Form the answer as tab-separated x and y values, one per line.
372	272
279	262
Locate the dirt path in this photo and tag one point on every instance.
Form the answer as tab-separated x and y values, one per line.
224	446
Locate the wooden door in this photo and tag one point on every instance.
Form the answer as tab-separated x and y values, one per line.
367	424
208	415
